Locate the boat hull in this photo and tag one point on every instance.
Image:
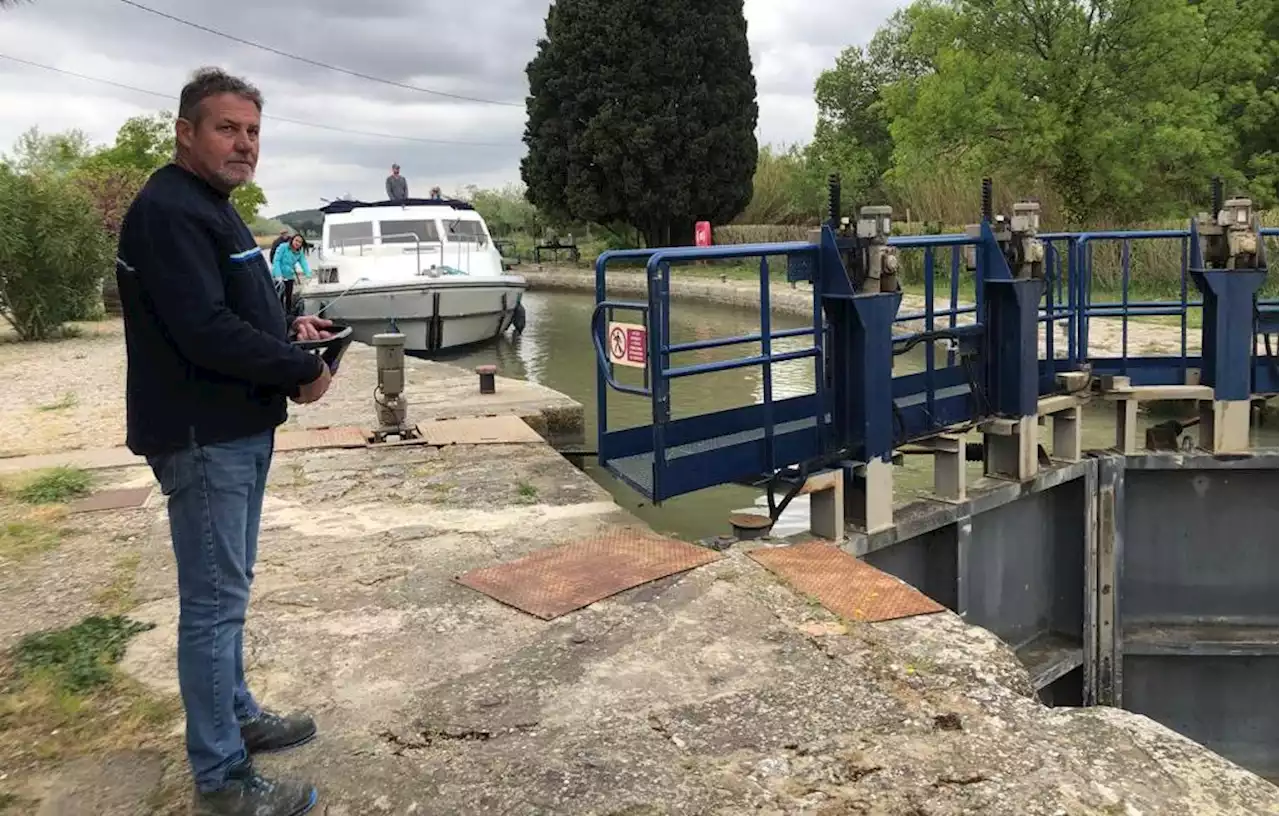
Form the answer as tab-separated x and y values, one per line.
433	315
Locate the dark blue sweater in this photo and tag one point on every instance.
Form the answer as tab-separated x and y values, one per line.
206	335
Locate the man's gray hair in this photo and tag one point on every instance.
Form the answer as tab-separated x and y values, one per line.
207	82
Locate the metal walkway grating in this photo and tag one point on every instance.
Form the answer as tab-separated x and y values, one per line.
845	585
555	581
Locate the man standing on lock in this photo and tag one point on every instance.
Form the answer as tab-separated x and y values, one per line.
210	365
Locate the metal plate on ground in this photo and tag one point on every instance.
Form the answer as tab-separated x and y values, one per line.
312	438
122	499
555	581
850	588
493	430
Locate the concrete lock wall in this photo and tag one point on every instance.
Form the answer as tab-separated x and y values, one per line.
1147	582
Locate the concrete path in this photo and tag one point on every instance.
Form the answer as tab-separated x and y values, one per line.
719	691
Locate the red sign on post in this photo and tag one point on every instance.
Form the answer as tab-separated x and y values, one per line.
702	233
628	343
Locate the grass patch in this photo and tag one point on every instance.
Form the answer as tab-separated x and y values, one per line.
55	486
117	597
79	658
68	401
527	492
22	539
41	722
61	694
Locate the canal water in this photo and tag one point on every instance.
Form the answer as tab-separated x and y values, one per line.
556	351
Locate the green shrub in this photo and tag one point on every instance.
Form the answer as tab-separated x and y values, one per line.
54	254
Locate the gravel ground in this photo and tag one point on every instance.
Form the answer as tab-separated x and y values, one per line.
64	394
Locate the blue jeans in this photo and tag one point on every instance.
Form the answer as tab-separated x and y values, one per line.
215	507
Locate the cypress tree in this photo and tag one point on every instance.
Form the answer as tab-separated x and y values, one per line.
642	112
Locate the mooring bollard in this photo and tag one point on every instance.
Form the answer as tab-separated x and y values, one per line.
748	526
487	384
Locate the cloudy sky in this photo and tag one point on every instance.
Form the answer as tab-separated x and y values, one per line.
474	49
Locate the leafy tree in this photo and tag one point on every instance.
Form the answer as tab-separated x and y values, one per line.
506	211
852	135
58	153
54	254
1238	63
110	191
642	112
1114	109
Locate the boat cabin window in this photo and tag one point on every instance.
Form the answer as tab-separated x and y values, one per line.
399	232
469	231
354	234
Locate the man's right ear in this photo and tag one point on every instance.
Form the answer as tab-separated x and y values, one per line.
184	133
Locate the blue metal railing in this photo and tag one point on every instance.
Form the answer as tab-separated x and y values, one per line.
928	400
672	456
638	455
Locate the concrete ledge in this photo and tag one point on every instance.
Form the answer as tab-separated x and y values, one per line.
1261	459
924	515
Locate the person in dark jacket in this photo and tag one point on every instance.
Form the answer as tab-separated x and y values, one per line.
282	238
210	366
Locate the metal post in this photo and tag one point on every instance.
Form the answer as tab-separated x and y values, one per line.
869	493
1224	269
1012	363
390	406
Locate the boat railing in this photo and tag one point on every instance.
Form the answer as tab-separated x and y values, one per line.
341	244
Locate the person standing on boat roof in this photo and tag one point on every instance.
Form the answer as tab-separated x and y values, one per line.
397	185
284	269
210	366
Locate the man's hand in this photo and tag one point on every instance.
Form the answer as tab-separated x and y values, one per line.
311	327
314	390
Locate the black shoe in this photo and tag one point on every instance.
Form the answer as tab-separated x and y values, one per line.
248	793
271	732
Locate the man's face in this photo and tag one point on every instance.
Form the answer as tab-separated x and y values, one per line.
223	148
395	171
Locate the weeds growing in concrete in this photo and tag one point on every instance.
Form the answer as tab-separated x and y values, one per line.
78	658
61	695
22	539
117	597
68	401
527	492
55	486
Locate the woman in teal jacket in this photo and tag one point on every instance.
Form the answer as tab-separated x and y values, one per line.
284	269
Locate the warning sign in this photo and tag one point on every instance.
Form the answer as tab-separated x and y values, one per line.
627	344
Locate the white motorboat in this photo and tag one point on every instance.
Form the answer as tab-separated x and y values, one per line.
426	268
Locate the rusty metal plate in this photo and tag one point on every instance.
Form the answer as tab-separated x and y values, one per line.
493	430
321	438
555	581
850	588
122	499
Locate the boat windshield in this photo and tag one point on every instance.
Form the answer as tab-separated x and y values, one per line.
468	231
402	232
350	235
